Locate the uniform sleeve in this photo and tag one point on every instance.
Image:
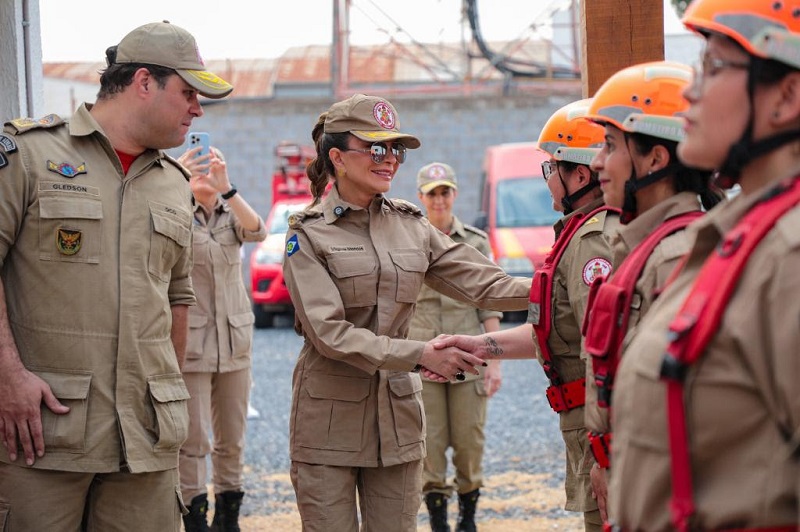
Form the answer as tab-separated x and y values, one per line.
592	250
482	245
16	191
319	308
462	272
250	236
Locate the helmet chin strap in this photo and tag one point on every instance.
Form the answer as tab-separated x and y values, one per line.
747	149
568	201
634	185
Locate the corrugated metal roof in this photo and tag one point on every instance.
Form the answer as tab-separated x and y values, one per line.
391	64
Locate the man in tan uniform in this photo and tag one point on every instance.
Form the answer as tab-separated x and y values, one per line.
95	247
455	411
217	368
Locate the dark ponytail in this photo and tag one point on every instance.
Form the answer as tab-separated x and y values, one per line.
321	169
685	179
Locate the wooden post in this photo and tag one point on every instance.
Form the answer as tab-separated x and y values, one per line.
616	34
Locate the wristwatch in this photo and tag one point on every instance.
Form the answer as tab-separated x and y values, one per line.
231	193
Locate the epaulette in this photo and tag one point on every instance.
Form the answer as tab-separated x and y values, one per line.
595	224
473	229
296	219
406	207
19	126
186	173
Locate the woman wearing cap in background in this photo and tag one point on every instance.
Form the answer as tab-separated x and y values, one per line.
581	253
640	108
455	411
355	264
218	351
711	430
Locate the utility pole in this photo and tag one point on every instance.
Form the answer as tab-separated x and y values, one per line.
616	34
340	64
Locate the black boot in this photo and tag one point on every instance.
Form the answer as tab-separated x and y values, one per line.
226	511
437	508
466	511
195	520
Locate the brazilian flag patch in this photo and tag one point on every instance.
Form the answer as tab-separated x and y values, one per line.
292	246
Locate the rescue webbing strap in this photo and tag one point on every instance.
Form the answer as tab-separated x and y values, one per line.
608	308
540	312
698	320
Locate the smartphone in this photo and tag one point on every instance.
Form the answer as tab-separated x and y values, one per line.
199	138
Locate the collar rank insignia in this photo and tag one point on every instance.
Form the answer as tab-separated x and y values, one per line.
66	169
68	241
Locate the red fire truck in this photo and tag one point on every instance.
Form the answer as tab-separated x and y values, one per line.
290	193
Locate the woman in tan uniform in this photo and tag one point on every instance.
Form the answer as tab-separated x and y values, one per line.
640	108
455	411
355	264
706	413
561	287
218	352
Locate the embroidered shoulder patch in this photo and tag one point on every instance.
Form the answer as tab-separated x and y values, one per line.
594	268
292	246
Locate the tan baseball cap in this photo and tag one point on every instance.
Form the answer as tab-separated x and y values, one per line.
370	118
435	175
167	45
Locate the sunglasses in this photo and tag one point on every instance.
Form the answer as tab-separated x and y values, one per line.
548	169
379	150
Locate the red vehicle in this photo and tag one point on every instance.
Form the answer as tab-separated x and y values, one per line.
516	207
290	193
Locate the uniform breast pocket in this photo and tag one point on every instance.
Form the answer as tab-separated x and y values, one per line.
70	228
356	277
226	238
170	237
406	401
200	240
411	266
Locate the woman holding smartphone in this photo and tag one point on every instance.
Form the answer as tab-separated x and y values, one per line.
355	264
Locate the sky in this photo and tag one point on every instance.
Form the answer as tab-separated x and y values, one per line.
81	30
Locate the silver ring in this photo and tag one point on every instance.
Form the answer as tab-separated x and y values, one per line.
460	376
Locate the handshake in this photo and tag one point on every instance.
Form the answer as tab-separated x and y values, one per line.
451	357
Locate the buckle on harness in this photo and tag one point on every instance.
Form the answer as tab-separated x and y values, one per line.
551	373
672	368
603	383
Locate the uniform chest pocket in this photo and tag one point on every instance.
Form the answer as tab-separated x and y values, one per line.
410	265
200	239
169	239
70	228
356	277
226	238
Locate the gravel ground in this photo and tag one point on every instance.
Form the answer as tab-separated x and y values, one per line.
523	461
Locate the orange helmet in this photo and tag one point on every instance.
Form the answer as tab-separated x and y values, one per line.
646	98
566	137
765	28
